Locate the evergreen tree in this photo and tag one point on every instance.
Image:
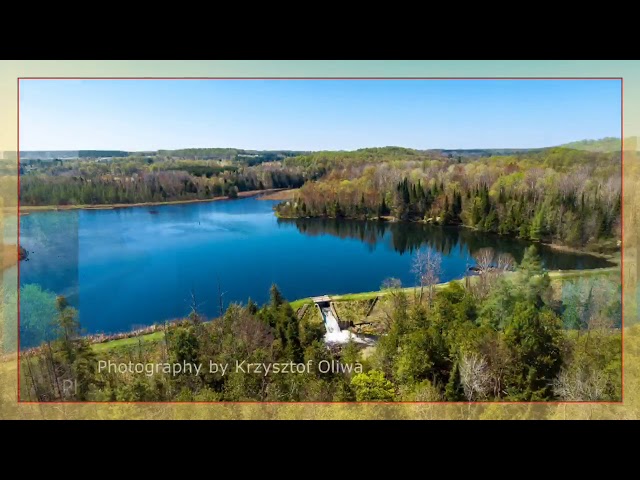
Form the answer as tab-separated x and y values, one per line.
454	391
292	335
536	230
457	206
406	197
533	279
382	208
534	339
491	222
252	307
476	212
275	296
531	263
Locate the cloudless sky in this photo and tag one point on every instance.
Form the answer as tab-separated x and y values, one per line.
314	114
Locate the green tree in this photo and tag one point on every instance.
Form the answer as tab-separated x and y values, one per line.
454	391
491	222
38	314
183	344
536	230
372	386
531	263
275	296
533	338
571	312
533	277
252	307
496	310
73	353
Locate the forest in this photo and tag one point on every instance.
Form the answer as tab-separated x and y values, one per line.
557	195
501	336
147	179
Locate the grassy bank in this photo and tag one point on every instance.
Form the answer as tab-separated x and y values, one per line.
554	275
128	342
46	208
612	253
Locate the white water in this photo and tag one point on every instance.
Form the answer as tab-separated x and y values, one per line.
330	321
334	334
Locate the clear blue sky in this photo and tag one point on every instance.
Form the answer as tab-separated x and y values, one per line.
314	115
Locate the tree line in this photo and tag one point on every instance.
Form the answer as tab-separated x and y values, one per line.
560	196
140	182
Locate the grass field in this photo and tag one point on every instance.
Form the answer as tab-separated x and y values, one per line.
128	342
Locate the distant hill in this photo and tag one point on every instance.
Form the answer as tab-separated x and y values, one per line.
484	152
607	144
252	157
248	156
53	154
47	154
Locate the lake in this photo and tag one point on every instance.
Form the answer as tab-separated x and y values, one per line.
130	267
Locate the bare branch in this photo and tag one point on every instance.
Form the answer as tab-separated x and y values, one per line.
484	259
426	266
475	377
505	262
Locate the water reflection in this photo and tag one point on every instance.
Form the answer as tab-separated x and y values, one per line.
408	237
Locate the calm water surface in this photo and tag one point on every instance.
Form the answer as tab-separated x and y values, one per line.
137	266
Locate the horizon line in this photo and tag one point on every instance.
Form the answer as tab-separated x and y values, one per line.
316	151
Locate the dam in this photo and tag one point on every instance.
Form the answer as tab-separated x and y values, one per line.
334	334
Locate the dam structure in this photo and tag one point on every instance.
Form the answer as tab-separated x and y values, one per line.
334	333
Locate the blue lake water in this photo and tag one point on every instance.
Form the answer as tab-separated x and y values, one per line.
131	267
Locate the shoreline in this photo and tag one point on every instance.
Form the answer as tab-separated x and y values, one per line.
26	209
553	274
102	341
613	256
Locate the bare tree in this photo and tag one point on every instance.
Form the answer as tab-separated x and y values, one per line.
581	384
533	179
250	332
484	262
475	377
220	301
194	315
484	259
567	185
505	262
393	286
610	191
426	266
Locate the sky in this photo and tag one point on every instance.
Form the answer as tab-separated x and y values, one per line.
138	115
